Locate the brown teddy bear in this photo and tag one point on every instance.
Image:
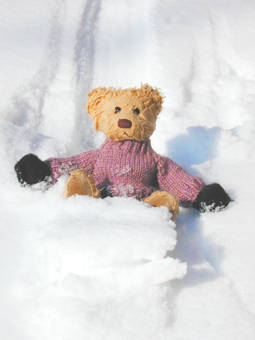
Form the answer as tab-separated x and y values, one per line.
126	164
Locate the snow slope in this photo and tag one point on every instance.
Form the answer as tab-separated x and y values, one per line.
96	269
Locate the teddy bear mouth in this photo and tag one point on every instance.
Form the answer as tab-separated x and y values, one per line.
124	123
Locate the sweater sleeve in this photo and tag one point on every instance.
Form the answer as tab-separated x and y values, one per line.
172	178
61	166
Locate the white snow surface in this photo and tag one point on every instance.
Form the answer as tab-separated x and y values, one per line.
116	268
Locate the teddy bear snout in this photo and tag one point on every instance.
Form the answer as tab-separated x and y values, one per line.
124	123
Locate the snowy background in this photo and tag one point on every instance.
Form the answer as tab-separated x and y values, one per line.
97	269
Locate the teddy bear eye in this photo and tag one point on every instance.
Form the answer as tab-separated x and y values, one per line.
117	109
136	111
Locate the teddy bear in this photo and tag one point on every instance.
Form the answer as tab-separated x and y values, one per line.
126	164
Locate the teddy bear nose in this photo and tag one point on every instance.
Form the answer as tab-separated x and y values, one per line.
124	123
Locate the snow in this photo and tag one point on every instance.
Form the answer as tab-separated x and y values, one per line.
116	268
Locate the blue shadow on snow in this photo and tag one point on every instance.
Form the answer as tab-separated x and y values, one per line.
200	253
195	147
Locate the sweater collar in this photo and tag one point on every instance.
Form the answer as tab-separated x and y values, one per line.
127	145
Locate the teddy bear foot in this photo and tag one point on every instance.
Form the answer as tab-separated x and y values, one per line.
165	199
80	183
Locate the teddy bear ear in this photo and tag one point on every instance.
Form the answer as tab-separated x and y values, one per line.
94	99
153	94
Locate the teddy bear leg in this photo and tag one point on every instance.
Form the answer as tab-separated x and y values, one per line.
80	183
165	199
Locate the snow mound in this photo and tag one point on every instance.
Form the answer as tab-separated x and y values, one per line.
77	258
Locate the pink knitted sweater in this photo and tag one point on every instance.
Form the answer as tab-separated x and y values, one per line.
131	168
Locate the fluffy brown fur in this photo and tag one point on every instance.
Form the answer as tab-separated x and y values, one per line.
164	199
103	101
80	183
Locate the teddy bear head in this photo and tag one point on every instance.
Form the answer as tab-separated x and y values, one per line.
125	114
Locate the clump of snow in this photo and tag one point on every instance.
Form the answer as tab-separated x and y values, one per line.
84	266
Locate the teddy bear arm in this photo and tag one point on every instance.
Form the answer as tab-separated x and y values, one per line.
61	166
175	180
